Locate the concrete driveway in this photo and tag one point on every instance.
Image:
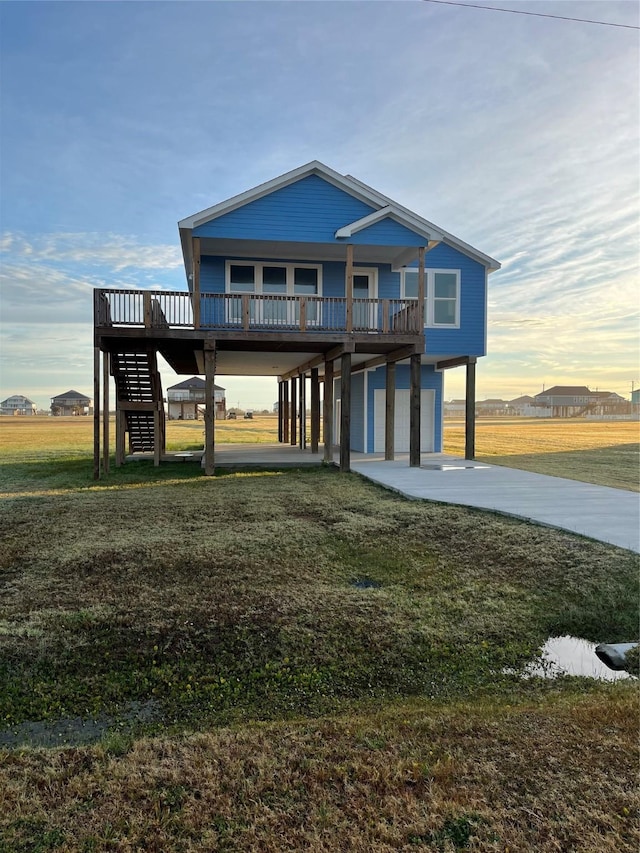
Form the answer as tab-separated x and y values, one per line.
598	512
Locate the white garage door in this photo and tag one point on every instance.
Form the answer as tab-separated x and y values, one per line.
427	405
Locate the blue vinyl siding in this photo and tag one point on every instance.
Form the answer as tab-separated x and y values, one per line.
387	232
430	379
211	275
469	339
357	409
309	210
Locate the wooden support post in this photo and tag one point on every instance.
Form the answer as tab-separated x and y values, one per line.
209	414
105	412
327	411
421	290
349	287
294	413
120	430
414	412
196	282
246	311
315	409
286	413
302	438
146	306
390	412
345	411
470	413
280	412
96	413
157	434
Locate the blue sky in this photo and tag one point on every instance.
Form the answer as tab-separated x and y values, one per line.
517	134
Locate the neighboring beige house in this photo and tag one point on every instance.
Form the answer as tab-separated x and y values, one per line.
527	407
17	404
492	408
454	408
185	398
71	403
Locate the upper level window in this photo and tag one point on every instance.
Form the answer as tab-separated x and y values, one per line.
441	295
242	278
284	279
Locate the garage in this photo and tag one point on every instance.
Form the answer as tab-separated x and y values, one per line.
427	407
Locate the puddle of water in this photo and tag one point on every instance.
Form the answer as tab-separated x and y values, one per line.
571	656
75	731
366	583
452	467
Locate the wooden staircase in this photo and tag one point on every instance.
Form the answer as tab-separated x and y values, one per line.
139	404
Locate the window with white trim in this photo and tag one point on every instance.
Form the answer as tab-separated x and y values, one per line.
274	278
441	295
278	280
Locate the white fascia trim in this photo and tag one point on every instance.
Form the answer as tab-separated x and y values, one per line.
365	222
315	167
491	263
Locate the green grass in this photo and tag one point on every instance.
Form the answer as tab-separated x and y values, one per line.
284	701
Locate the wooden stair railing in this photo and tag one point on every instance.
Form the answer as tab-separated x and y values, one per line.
139	405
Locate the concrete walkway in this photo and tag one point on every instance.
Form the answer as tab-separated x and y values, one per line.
598	512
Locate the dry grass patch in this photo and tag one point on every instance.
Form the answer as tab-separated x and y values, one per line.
557	772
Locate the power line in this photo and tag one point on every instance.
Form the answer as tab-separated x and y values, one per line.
534	14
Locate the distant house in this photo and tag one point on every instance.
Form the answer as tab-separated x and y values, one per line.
527	407
570	401
609	403
454	408
565	401
71	403
185	398
635	401
17	404
492	408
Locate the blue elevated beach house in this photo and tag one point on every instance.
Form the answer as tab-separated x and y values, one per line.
325	284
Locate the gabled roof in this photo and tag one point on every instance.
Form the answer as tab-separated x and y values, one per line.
73	395
603	395
524	399
565	391
384	207
18	397
195	383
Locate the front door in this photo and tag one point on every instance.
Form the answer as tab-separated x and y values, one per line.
365	288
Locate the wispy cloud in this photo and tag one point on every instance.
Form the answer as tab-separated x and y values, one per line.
113	251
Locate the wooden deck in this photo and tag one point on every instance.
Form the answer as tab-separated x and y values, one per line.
233	312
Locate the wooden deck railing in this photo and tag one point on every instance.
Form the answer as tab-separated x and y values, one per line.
255	312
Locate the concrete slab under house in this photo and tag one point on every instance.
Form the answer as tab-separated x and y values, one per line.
318	280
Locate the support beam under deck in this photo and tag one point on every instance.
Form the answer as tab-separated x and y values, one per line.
209	412
96	413
390	411
345	411
315	409
470	413
327	411
414	412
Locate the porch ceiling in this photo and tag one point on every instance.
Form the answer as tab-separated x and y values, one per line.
307	252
